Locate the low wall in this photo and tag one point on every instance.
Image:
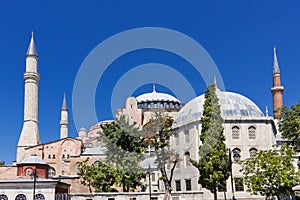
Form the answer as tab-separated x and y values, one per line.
191	195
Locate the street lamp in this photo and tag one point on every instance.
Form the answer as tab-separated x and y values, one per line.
149	172
235	157
34	175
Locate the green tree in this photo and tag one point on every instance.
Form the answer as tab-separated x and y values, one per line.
212	151
100	177
2	163
270	173
125	147
158	132
289	125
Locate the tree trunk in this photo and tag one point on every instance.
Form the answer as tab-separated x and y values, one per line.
215	194
167	184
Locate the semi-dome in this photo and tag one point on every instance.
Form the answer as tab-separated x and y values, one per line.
233	105
33	159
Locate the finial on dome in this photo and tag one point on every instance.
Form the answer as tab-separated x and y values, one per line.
154	88
215	84
267	111
215	81
31	51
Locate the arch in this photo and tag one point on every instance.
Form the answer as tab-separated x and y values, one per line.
39	196
3	197
21	197
235	132
236	153
253	152
187	157
252	132
51	172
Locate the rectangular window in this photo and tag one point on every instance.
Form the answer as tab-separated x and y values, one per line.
153	177
239	184
177	138
110	198
178	185
187	136
188	185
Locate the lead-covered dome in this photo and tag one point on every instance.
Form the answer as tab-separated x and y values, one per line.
233	105
33	159
158	100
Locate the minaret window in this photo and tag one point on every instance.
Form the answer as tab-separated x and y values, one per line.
235	132
252	132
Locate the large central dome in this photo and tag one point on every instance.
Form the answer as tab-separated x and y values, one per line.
233	105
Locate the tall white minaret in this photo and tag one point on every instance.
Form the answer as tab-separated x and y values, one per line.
64	122
30	131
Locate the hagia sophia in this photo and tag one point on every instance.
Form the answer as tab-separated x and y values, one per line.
246	128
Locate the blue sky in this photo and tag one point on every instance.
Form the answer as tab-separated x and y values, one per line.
238	35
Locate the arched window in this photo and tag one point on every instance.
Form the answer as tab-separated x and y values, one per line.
3	197
236	154
253	152
187	159
20	197
96	163
39	197
51	172
252	132
28	171
235	132
187	136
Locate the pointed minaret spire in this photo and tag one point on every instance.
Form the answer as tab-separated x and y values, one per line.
64	105
277	88
275	63
64	121
31	51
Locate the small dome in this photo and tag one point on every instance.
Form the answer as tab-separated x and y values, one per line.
233	105
156	96
34	159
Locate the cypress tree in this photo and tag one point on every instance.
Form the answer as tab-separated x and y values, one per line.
214	163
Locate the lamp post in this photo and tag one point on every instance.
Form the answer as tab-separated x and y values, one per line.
231	177
33	174
149	172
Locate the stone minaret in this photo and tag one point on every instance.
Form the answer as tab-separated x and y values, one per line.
64	122
30	131
277	88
